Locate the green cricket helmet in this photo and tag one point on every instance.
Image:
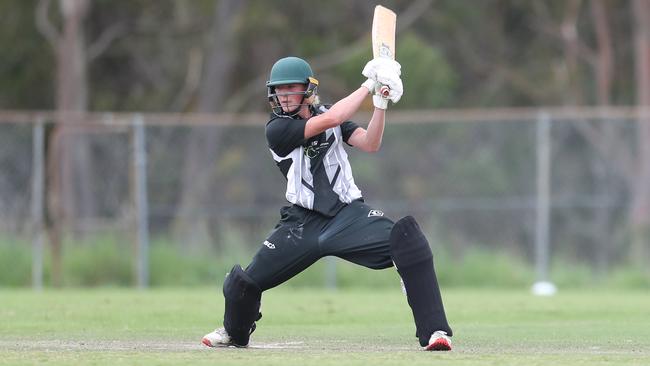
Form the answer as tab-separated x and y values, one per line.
291	70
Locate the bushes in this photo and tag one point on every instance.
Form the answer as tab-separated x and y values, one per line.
15	263
109	261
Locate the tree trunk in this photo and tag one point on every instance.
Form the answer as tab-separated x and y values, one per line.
569	34
604	62
640	207
68	164
603	68
54	207
192	225
72	95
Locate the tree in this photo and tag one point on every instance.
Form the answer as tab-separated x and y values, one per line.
203	142
632	161
67	158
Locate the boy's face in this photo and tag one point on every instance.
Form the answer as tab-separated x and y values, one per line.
290	96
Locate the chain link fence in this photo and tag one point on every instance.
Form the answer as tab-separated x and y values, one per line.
472	178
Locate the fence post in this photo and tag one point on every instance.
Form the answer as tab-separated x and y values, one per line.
543	286
140	197
38	183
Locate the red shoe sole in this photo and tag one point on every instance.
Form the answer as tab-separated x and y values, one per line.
439	345
206	342
220	345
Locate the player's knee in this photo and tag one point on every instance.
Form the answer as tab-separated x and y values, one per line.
243	296
408	244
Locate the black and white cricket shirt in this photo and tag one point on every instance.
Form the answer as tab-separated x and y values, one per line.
319	176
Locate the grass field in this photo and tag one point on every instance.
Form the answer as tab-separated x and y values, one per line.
319	327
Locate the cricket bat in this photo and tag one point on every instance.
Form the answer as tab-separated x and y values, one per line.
383	36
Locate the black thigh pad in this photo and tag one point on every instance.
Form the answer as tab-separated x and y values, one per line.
243	297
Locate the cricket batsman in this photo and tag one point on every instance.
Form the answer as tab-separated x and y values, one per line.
327	215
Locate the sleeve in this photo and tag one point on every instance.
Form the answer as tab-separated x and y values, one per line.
283	135
347	128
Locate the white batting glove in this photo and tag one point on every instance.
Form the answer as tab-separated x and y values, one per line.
379	101
396	91
393	82
373	66
370	85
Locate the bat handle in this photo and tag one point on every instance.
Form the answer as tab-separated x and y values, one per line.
384	91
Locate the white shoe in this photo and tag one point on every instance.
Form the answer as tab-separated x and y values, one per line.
218	338
439	341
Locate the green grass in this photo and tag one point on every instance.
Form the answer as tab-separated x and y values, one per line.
316	327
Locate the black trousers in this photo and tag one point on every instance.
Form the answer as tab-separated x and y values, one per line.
358	233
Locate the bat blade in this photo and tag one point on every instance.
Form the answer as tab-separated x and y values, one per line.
383	32
383	36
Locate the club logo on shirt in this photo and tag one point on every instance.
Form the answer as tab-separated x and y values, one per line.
374	213
315	149
269	245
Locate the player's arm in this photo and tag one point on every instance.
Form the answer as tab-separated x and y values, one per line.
340	112
369	140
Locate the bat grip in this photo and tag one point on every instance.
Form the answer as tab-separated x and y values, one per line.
384	91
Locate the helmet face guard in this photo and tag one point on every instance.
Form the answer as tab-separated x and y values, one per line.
291	70
307	98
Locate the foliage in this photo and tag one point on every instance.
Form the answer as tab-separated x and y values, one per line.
429	80
455	54
26	78
15	263
452	57
108	261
